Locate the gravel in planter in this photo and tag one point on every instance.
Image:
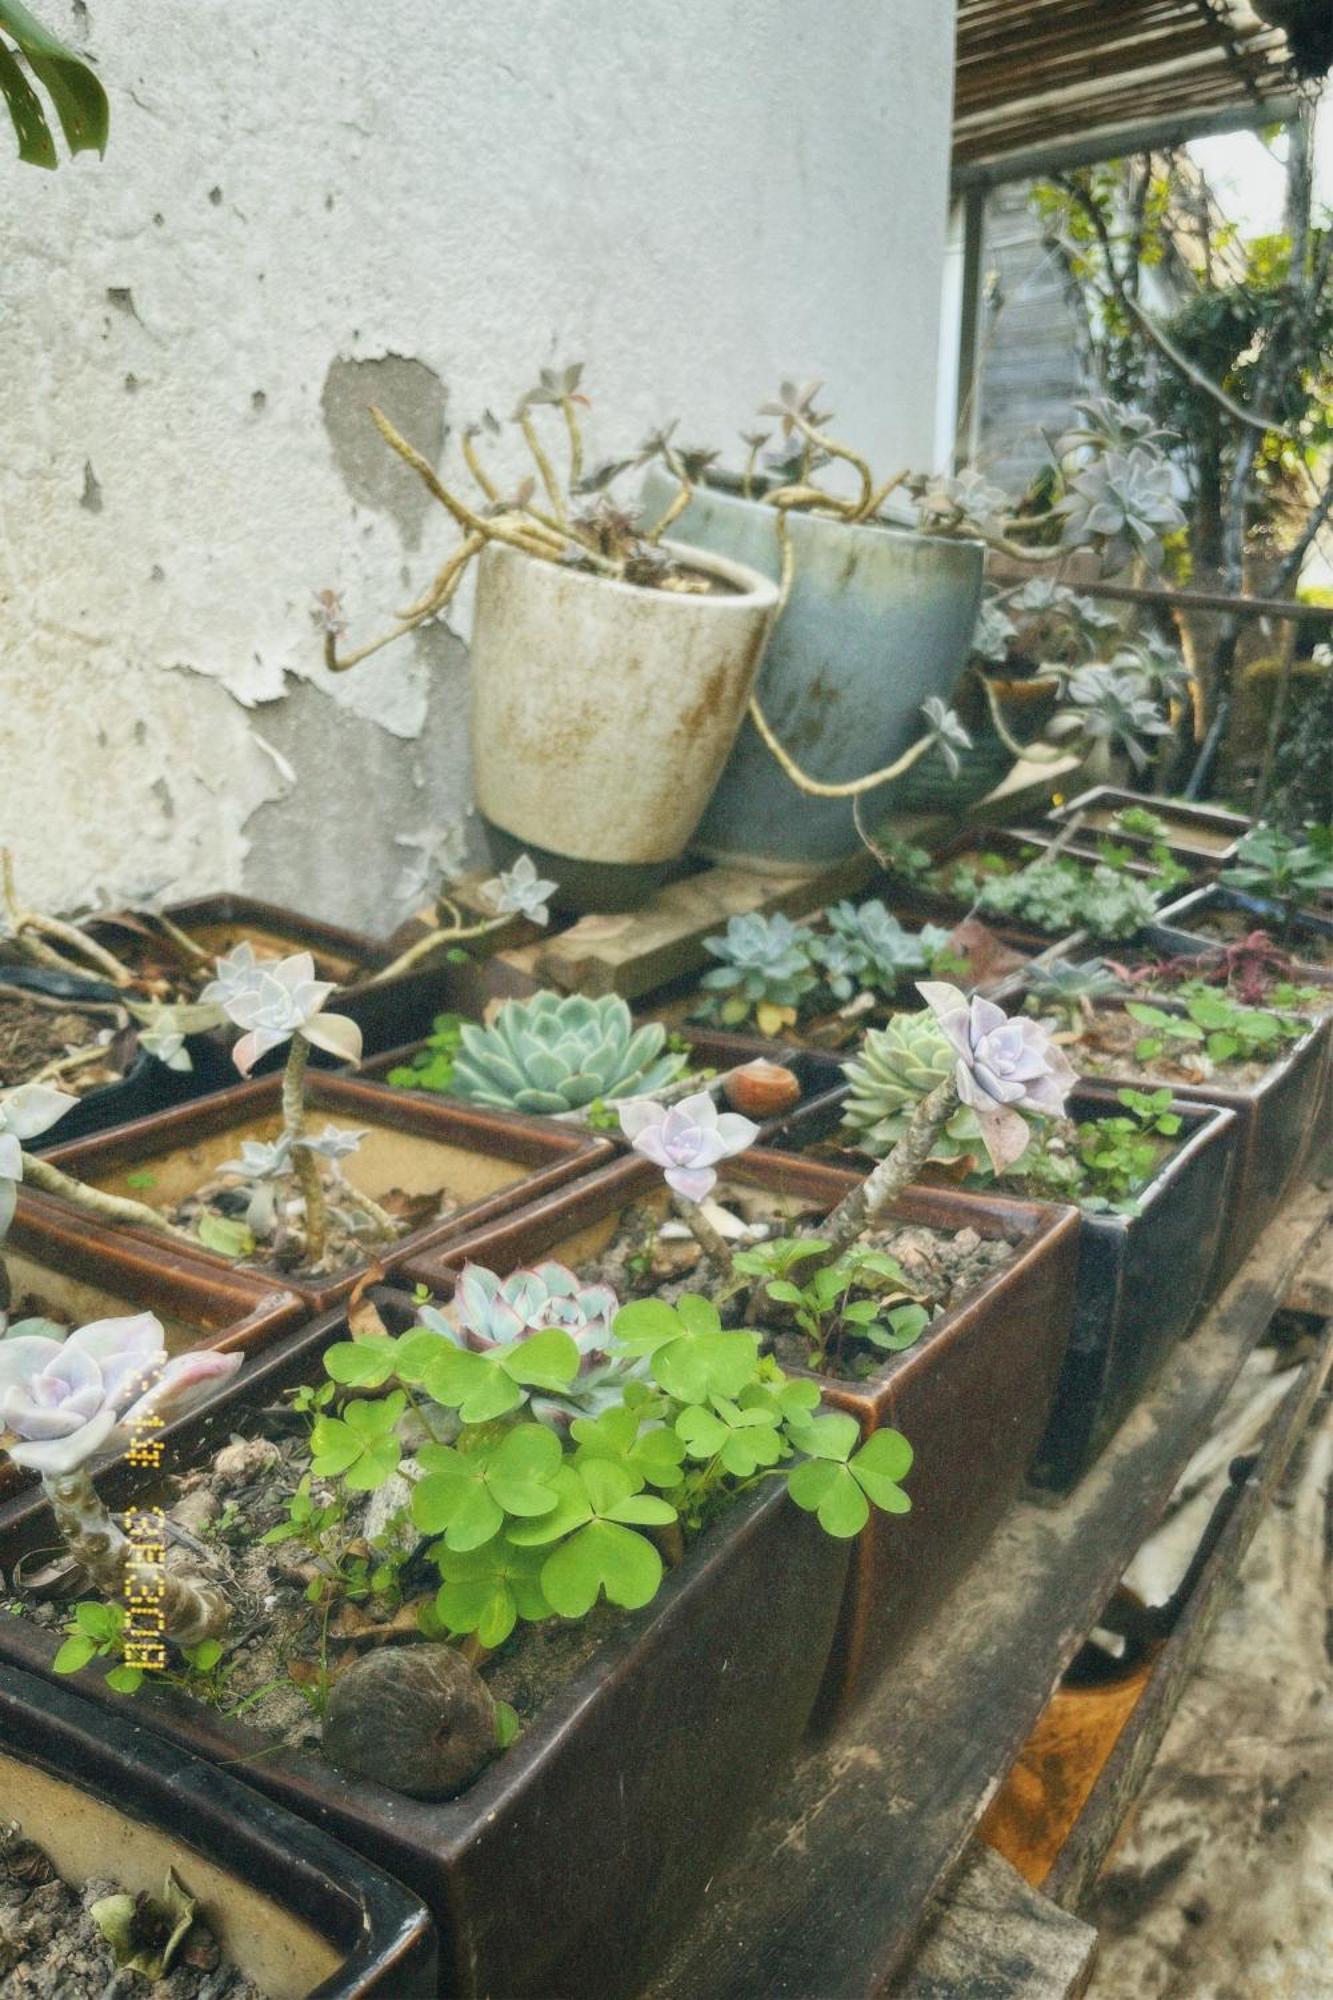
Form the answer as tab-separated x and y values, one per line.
53	1948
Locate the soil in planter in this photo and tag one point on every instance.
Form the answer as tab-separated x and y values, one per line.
51	1949
285	1651
650	1256
1229	926
69	1047
350	1239
1107	1047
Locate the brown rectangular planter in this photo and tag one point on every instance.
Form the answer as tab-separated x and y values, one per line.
494	1161
294	1911
88	1274
1311	930
1279	1119
1203	837
388	1012
570	1863
973	1395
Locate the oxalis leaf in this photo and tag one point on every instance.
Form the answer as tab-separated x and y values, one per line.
838	1484
598	1548
691	1358
467	1495
484	1386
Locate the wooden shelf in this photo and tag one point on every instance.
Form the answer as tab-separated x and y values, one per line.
830	1893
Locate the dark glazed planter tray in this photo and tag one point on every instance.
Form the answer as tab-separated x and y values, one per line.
390	1012
1204	837
84	1275
293	1910
973	1396
1278	1120
493	1161
1309	927
819	1075
1142	1281
571	1862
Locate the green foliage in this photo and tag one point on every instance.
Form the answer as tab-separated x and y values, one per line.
1059	896
1214	1024
78	98
861	1298
529	1520
839	1483
97	1632
559	1052
1144	825
1103	1164
432	1065
1287	870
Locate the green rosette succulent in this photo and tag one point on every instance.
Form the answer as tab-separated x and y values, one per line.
895	1067
559	1052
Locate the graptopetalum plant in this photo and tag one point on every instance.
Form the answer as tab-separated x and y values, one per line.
100	1391
277	1001
553	517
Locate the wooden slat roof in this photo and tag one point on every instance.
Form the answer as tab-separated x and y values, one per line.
1032	75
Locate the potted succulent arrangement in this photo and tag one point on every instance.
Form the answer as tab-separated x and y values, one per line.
1151	1177
824	982
1266	1064
941	1314
242	1176
1274	885
207	1890
1027	891
858	591
575	1058
472	1481
70	1017
598	643
503	1586
873	632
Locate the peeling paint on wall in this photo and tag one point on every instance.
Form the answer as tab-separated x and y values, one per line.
285	228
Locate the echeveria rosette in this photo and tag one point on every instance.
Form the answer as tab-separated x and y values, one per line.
488	1311
687	1140
25	1113
1006	1065
273	999
62	1402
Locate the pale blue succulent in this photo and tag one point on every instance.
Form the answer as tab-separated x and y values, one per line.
558	1052
487	1312
882	951
764	960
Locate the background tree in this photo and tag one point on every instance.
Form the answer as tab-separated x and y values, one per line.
1242	371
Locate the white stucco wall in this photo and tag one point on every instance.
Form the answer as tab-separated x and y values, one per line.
693	196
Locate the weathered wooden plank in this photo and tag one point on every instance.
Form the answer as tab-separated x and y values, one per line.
996	1938
635	951
827	1894
1122	1776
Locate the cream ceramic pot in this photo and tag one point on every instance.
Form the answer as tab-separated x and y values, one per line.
603	713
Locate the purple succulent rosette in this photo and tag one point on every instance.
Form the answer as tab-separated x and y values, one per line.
63	1402
687	1140
1006	1066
